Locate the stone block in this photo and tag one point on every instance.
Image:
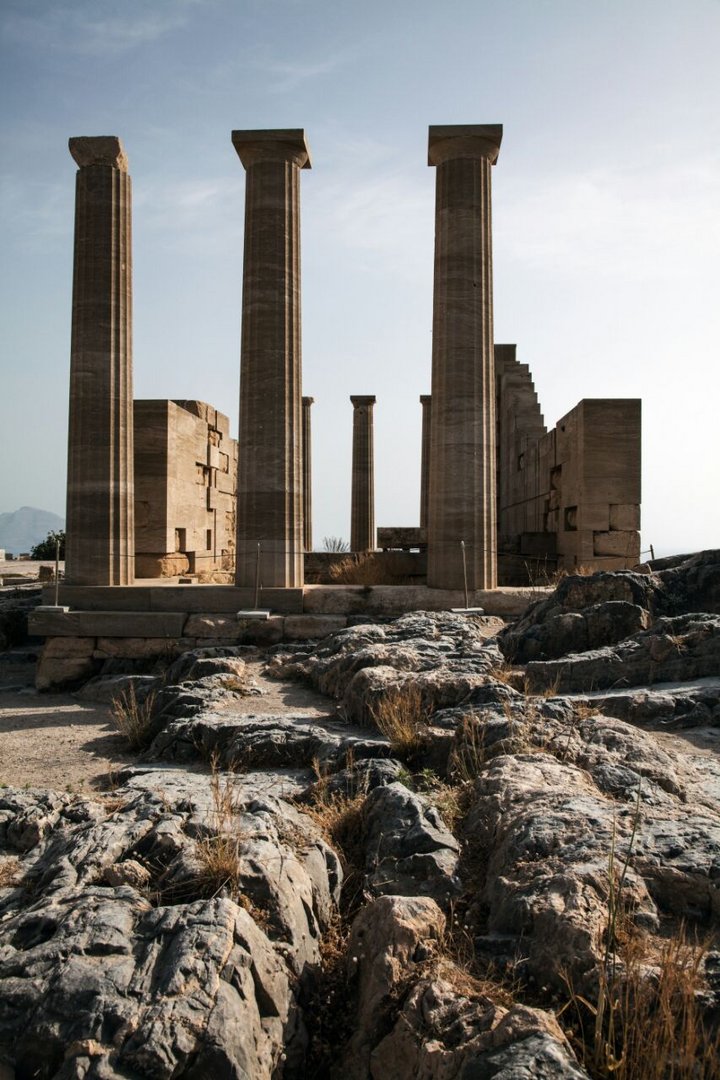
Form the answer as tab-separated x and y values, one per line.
66	647
595	516
107	624
132	648
56	672
618	544
158	566
306	627
262	631
225	627
624	516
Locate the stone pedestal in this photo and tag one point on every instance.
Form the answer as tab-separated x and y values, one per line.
462	447
362	517
307	402
426	402
100	547
270	489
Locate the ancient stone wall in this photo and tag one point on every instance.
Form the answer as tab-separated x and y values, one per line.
569	497
186	472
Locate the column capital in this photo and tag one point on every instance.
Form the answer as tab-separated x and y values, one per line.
272	144
308	401
449	141
425	399
362	399
98	150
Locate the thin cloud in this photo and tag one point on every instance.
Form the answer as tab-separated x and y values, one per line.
87	30
641	225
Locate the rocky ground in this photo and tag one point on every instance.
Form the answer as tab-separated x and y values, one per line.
418	849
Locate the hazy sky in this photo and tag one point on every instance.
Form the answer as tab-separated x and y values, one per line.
606	205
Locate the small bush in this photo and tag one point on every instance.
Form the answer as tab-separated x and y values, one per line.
366	568
335	543
133	718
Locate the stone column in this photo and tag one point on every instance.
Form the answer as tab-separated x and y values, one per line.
462	447
426	402
362	517
100	548
307	472
270	488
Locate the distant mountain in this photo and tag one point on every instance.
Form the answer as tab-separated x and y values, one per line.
23	528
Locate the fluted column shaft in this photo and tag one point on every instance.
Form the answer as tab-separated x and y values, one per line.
362	517
100	546
270	480
307	403
462	503
426	402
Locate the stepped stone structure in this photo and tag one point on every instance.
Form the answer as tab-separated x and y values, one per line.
307	403
270	481
462	504
362	517
569	497
185	490
99	524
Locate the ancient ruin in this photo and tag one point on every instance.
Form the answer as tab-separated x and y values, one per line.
502	500
569	497
185	490
270	475
100	530
461	504
362	517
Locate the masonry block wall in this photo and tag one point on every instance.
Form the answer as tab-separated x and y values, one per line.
185	492
569	497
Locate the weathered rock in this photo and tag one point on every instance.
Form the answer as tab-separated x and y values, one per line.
109	688
92	975
271	740
409	849
389	936
551	835
421	641
673	649
440	1031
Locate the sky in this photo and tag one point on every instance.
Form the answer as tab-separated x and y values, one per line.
606	216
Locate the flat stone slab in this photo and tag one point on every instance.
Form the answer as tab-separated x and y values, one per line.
152	624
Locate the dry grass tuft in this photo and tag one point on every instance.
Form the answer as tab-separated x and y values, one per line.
10	872
648	1023
341	820
133	718
402	717
219	853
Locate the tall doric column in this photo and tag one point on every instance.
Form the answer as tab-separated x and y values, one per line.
426	402
462	441
362	518
307	471
100	548
270	499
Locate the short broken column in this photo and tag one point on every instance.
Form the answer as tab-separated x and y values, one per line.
362	517
463	463
426	402
270	487
307	402
100	545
